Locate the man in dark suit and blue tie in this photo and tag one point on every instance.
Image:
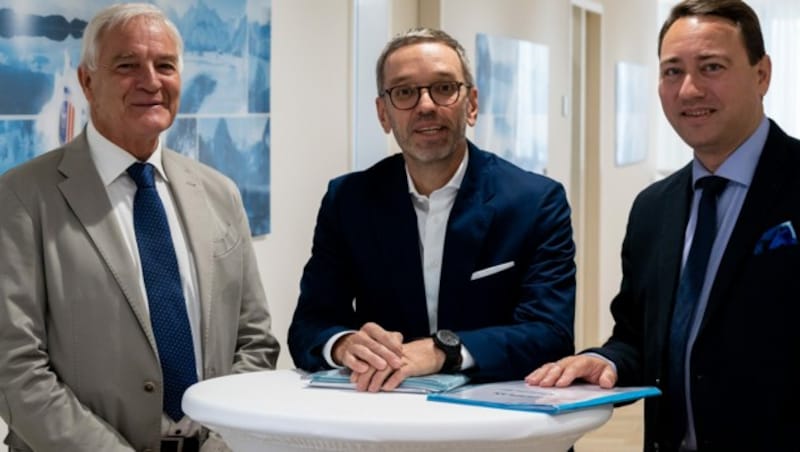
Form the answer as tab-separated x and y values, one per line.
708	305
443	258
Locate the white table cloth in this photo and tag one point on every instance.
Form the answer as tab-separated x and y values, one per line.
275	411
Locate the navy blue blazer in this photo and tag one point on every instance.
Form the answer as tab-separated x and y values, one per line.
366	266
746	359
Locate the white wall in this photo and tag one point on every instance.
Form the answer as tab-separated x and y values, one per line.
310	141
631	40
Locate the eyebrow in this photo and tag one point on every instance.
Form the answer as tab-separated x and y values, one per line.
409	79
123	56
701	58
133	55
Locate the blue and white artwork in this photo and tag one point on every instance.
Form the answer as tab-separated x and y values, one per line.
631	113
512	78
225	103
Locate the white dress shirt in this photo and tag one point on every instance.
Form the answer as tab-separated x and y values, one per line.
112	163
433	213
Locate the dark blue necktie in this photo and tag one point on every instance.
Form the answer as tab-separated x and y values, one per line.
162	281
689	287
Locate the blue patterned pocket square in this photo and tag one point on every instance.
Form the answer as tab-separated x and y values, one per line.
776	237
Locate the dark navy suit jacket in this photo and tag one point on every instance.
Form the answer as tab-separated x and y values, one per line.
745	362
366	266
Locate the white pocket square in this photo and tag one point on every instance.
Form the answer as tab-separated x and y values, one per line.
491	270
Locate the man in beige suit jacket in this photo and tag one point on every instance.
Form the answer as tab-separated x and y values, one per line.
79	366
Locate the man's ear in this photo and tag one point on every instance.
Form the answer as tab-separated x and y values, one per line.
764	72
85	79
472	106
383	115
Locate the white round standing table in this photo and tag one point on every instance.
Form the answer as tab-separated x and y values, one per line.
276	411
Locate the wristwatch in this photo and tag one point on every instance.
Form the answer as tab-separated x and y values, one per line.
448	342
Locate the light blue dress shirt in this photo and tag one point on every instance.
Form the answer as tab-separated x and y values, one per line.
738	168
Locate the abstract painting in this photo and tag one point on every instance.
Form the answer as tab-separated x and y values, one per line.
630	113
225	103
512	78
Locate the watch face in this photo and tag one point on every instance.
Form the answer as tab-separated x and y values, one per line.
448	338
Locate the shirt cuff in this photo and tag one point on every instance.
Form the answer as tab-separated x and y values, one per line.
328	349
467	361
611	363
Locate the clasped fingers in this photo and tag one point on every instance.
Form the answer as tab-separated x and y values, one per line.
364	349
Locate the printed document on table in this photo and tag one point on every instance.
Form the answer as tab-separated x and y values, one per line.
517	395
340	378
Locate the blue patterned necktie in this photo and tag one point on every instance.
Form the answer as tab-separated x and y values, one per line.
162	282
689	287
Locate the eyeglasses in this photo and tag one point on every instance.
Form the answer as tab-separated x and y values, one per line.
406	97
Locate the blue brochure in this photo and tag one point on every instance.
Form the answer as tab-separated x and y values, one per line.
517	395
340	378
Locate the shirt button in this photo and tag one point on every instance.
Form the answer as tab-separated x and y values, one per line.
149	386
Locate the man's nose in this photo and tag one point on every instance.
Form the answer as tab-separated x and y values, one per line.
425	99
148	77
692	86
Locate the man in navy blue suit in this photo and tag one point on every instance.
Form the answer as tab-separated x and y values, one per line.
731	382
444	258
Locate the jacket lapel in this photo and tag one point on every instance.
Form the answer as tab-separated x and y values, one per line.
190	202
467	227
675	203
771	176
83	190
392	215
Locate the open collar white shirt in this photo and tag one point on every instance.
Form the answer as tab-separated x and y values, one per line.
433	213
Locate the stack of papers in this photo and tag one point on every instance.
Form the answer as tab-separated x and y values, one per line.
340	378
517	395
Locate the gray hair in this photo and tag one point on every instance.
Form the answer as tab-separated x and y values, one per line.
416	36
121	14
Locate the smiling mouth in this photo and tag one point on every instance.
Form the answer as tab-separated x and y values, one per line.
147	104
698	113
430	130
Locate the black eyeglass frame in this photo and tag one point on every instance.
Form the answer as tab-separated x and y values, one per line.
388	92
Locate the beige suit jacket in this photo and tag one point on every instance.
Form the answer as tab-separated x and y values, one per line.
79	369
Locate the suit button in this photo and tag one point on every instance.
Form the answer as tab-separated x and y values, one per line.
698	377
658	383
149	386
